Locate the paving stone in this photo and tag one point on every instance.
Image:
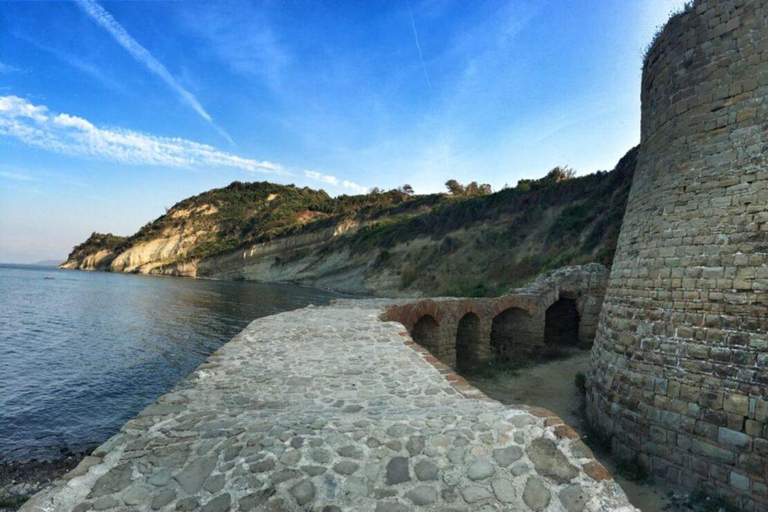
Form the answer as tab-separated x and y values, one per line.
480	470
215	483
536	495
422	495
192	477
345	467
136	495
504	490
163	498
397	471
391	506
474	493
426	470
574	498
220	503
350	451
188	504
415	445
105	503
303	492
116	479
506	456
550	462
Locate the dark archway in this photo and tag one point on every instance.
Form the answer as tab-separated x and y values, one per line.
468	341
507	332
426	332
562	324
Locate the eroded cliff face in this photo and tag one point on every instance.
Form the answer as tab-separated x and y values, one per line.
388	244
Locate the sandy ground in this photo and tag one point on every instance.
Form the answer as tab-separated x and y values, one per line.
551	385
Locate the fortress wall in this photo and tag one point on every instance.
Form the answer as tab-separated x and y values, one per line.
680	362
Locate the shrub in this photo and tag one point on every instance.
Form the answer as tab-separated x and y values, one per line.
580	381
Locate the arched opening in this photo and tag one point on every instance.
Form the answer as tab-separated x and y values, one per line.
468	341
509	332
426	333
561	326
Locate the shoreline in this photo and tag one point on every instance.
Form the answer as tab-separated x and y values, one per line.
347	294
19	481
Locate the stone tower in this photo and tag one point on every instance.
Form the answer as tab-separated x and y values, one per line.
680	363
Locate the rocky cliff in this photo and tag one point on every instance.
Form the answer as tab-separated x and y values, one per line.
389	243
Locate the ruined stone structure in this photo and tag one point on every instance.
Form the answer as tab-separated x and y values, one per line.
561	309
680	362
331	409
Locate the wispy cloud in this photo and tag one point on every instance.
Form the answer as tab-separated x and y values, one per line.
336	182
37	126
15	176
7	68
82	65
418	44
241	36
142	55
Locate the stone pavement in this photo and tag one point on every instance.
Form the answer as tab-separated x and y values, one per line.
330	409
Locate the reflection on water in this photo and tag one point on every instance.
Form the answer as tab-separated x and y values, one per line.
82	353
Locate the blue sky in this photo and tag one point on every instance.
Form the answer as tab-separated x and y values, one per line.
112	111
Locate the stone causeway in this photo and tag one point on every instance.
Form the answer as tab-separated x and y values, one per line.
331	409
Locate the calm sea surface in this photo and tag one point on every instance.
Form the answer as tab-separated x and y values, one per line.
82	353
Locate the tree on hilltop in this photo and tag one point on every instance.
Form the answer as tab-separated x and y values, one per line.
472	189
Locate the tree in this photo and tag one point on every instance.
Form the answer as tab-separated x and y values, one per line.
407	189
454	187
560	173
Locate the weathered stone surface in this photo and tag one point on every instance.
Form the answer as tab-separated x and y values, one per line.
574	498
345	467
506	456
192	477
475	493
550	462
115	480
303	492
218	504
426	471
536	494
397	471
422	495
163	498
261	432
504	490
480	470
680	354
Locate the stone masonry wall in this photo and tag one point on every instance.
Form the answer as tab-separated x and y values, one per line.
510	327
680	362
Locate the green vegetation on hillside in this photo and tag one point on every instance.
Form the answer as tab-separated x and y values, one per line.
465	242
97	242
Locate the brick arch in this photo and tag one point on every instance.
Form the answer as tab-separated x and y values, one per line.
561	322
470	341
527	304
513	333
426	332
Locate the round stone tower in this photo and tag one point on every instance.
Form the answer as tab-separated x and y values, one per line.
680	362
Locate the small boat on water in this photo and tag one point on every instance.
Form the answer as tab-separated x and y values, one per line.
48	277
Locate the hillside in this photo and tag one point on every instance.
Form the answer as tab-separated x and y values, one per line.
382	243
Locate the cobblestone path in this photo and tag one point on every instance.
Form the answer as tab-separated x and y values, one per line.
329	409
